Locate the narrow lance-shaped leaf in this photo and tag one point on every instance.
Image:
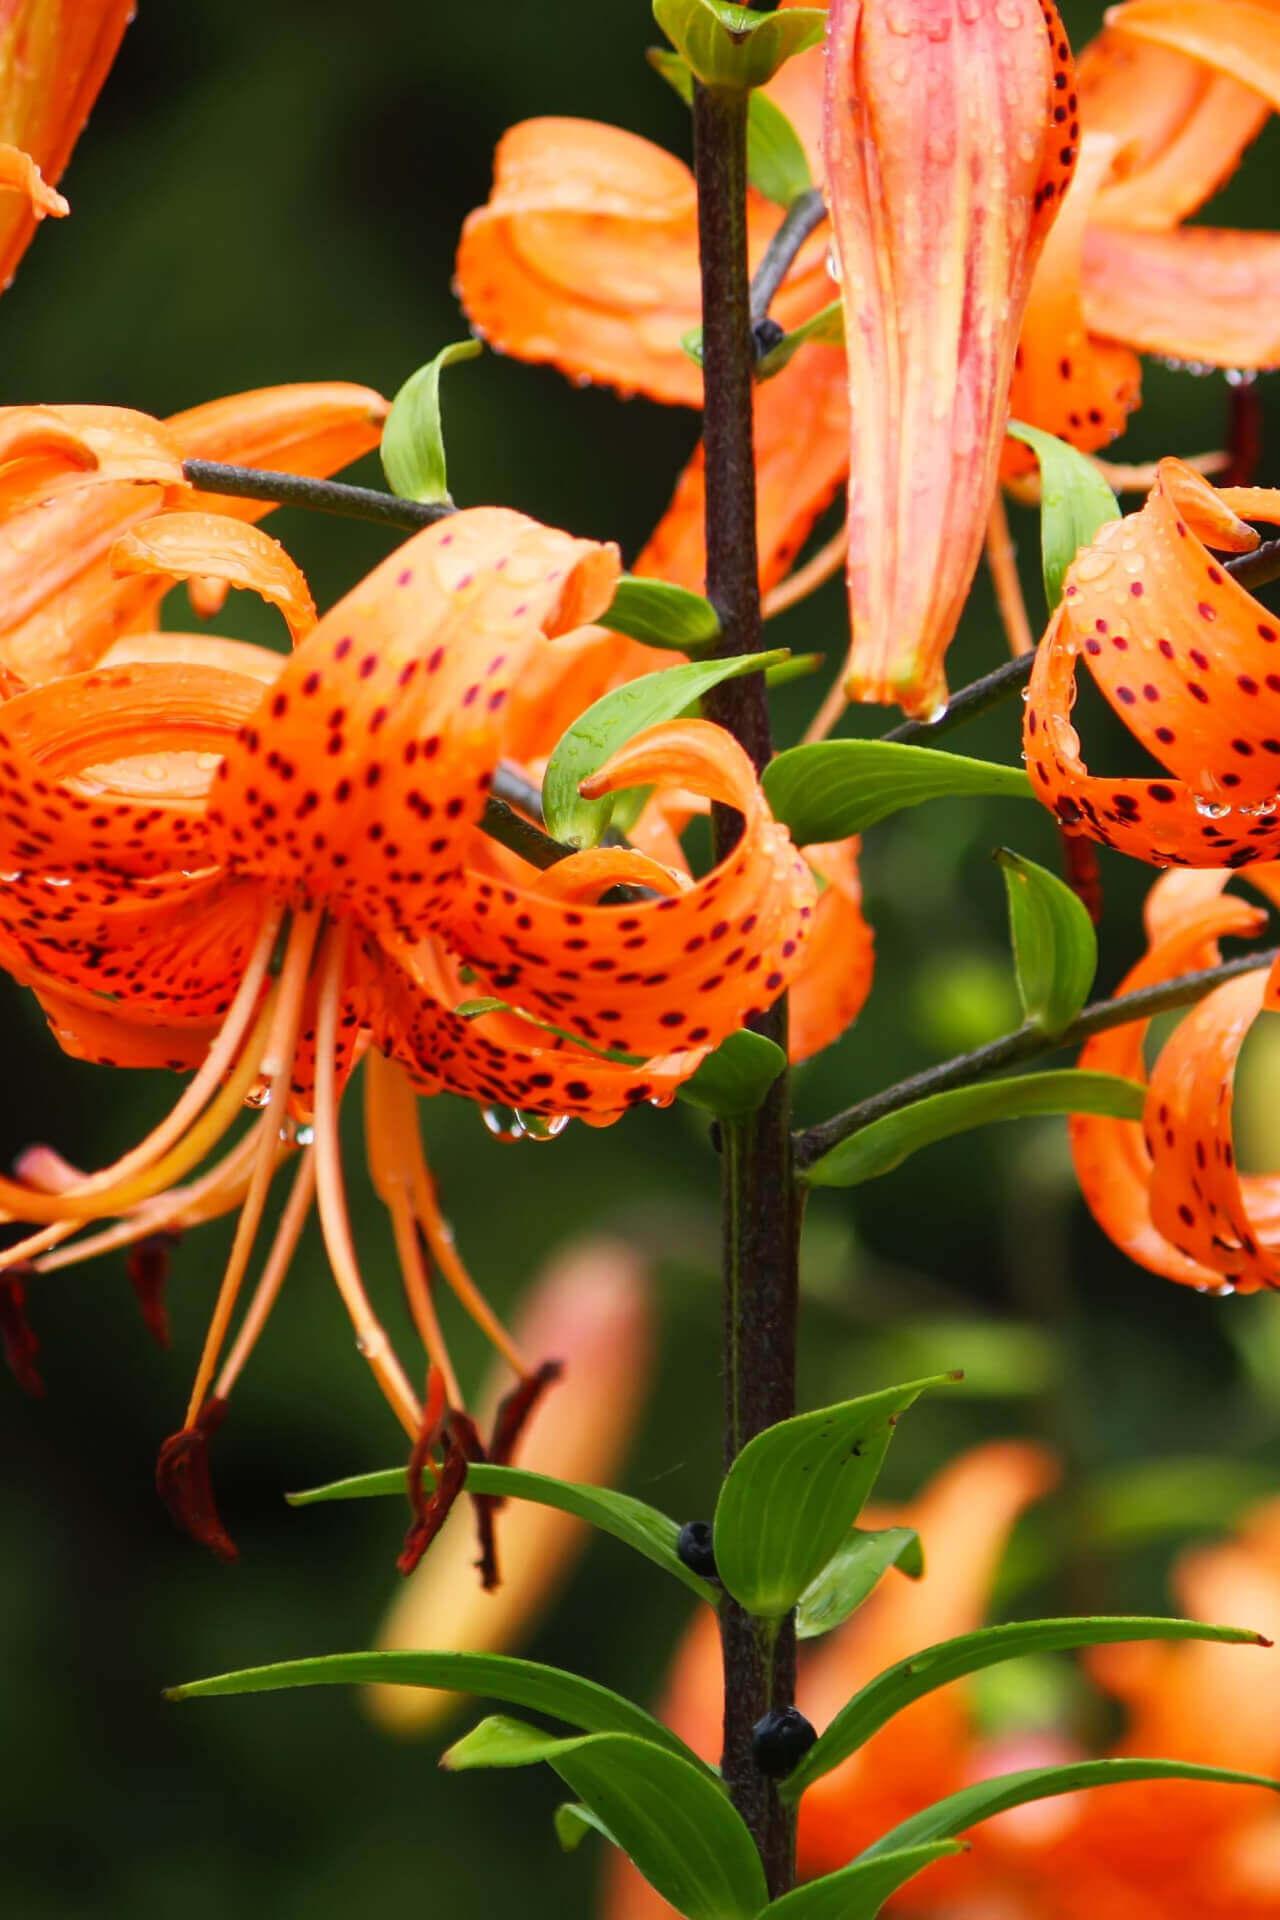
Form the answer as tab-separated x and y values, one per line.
730	46
672	1819
859	1891
834	788
495	1676
933	1667
777	164
662	615
613	720
971	1805
637	1525
1055	949
791	1496
852	1573
1075	501
413	438
886	1143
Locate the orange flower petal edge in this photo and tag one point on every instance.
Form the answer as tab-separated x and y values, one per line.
186	546
936	243
830	989
1188	660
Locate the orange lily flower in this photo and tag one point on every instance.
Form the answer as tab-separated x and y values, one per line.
54	57
1187	658
1168	1190
593	1307
176	815
75	481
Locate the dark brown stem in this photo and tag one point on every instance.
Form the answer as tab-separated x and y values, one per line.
761	1224
320	496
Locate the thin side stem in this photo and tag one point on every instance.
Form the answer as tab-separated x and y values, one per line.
760	1201
1028	1043
320	496
803	217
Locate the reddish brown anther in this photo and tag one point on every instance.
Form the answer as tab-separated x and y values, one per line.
431	1512
184	1483
148	1268
17	1336
463	1428
516	1407
1083	873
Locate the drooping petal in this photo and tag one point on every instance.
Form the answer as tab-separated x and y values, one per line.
946	165
1188	659
54	56
586	256
831	987
1202	294
313	428
362	775
49	451
184	546
1240	38
684	971
801	440
1065	381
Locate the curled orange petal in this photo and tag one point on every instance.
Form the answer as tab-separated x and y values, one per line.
20	174
181	546
831	987
49	451
936	241
1240	38
1202	294
1188	660
312	427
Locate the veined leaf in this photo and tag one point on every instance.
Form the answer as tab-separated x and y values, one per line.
777	163
1055	949
613	720
672	1818
662	615
886	1143
791	1496
1075	501
494	1676
854	1570
858	1892
965	1809
833	788
642	1527
733	1081
824	328
910	1679
730	46
413	438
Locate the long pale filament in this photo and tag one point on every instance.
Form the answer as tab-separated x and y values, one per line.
815	573
1003	566
283	1247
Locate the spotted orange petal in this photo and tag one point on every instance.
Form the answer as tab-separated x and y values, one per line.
642	978
360	778
54	56
1065	381
936	243
1202	294
183	546
1188	659
831	987
586	256
801	436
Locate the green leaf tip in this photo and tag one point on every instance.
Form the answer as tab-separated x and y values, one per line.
1075	502
732	47
662	615
413	456
833	788
1055	948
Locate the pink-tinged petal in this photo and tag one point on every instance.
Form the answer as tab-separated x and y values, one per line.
945	166
1198	293
1240	38
590	1309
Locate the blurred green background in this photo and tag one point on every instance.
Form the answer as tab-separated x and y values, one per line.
273	193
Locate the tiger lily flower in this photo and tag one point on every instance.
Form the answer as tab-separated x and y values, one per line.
77	482
1168	1191
1186	658
269	869
54	57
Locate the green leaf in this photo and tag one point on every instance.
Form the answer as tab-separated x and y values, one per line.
973	1804
574	1822
613	720
662	615
1075	501
886	1143
859	1891
854	1570
733	1081
672	1818
777	163
1148	1500
1055	949
413	438
824	328
641	1527
495	1676
837	787
732	47
791	1496
909	1680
